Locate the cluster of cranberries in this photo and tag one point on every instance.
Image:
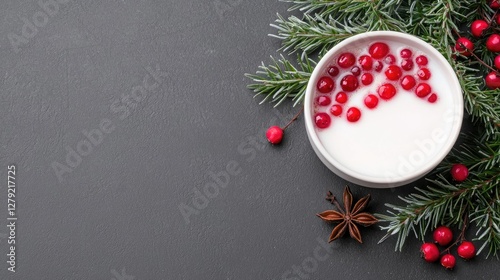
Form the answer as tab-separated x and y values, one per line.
443	236
350	73
478	28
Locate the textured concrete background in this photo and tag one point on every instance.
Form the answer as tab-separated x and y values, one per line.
151	95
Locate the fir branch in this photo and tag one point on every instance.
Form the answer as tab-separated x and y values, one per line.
313	33
282	79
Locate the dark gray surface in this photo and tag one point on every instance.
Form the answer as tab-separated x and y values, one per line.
116	214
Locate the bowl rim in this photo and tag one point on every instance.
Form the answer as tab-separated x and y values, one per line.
458	105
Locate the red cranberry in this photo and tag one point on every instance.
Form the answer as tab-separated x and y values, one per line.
497	61
366	62
346	60
423	90
322	120
448	261
442	235
495	4
421	60
356	71
371	101
349	83
386	91
390	59
408	82
366	79
333	71
378	66
341	97
493	43
353	114
407	64
325	84
378	50
323	100
336	110
424	74
459	172
393	72
432	98
478	26
492	80
274	134
466	250
405	53
497	19
464	46
430	252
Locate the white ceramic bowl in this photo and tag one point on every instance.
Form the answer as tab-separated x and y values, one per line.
403	138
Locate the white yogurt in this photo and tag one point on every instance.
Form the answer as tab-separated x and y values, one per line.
401	136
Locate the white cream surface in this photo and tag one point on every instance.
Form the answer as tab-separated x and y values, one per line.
398	137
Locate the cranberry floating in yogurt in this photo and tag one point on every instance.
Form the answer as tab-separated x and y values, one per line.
390	109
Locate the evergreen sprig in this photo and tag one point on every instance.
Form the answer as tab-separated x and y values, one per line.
324	23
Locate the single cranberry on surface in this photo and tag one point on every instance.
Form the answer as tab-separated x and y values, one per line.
386	91
336	110
448	261
423	90
464	46
459	172
353	114
322	120
349	83
393	72
366	62
371	101
346	60
430	252
378	66
366	79
478	26
341	97
421	60
442	235
378	50
424	74
274	134
492	80
466	250
333	71
408	82
323	100
325	84
405	53
493	43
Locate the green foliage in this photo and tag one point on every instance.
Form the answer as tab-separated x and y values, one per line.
324	23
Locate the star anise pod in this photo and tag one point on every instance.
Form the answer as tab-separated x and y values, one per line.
349	217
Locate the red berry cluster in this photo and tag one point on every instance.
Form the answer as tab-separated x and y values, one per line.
478	28
353	72
443	236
